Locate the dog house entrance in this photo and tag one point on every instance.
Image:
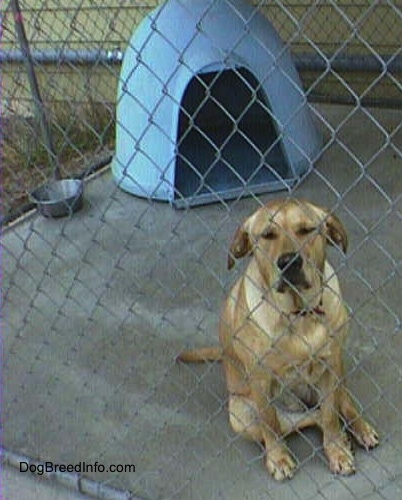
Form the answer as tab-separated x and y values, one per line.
227	140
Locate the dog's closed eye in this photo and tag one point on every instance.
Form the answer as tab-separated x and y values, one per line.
269	234
305	230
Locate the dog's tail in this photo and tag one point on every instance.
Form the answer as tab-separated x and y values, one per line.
201	355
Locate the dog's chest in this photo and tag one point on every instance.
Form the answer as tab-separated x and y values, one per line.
301	358
301	349
288	344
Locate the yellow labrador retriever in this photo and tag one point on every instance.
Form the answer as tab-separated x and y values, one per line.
282	331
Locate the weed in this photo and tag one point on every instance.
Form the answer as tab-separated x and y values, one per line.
79	131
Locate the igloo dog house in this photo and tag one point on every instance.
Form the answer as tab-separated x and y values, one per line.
210	106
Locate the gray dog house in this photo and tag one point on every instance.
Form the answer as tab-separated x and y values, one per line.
210	106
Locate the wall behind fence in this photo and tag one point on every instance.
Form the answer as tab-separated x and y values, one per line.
327	30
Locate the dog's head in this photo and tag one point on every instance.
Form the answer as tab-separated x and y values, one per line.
288	239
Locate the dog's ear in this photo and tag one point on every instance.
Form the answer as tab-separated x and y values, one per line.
332	227
240	246
336	232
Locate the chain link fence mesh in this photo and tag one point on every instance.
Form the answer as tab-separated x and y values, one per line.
96	307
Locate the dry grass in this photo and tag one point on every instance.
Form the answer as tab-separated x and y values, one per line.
79	133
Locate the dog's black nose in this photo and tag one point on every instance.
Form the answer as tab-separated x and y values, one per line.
289	261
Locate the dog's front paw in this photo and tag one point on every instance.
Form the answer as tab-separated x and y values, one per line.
340	457
280	463
365	434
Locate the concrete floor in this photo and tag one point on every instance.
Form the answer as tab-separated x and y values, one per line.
18	486
97	307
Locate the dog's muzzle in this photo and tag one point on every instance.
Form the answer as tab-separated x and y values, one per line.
291	267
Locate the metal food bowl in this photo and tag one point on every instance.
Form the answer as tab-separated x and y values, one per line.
59	198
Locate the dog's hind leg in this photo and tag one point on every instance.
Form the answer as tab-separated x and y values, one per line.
361	430
245	419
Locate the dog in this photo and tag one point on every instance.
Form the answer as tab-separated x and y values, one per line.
282	331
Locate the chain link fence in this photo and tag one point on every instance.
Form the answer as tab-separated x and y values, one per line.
97	306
